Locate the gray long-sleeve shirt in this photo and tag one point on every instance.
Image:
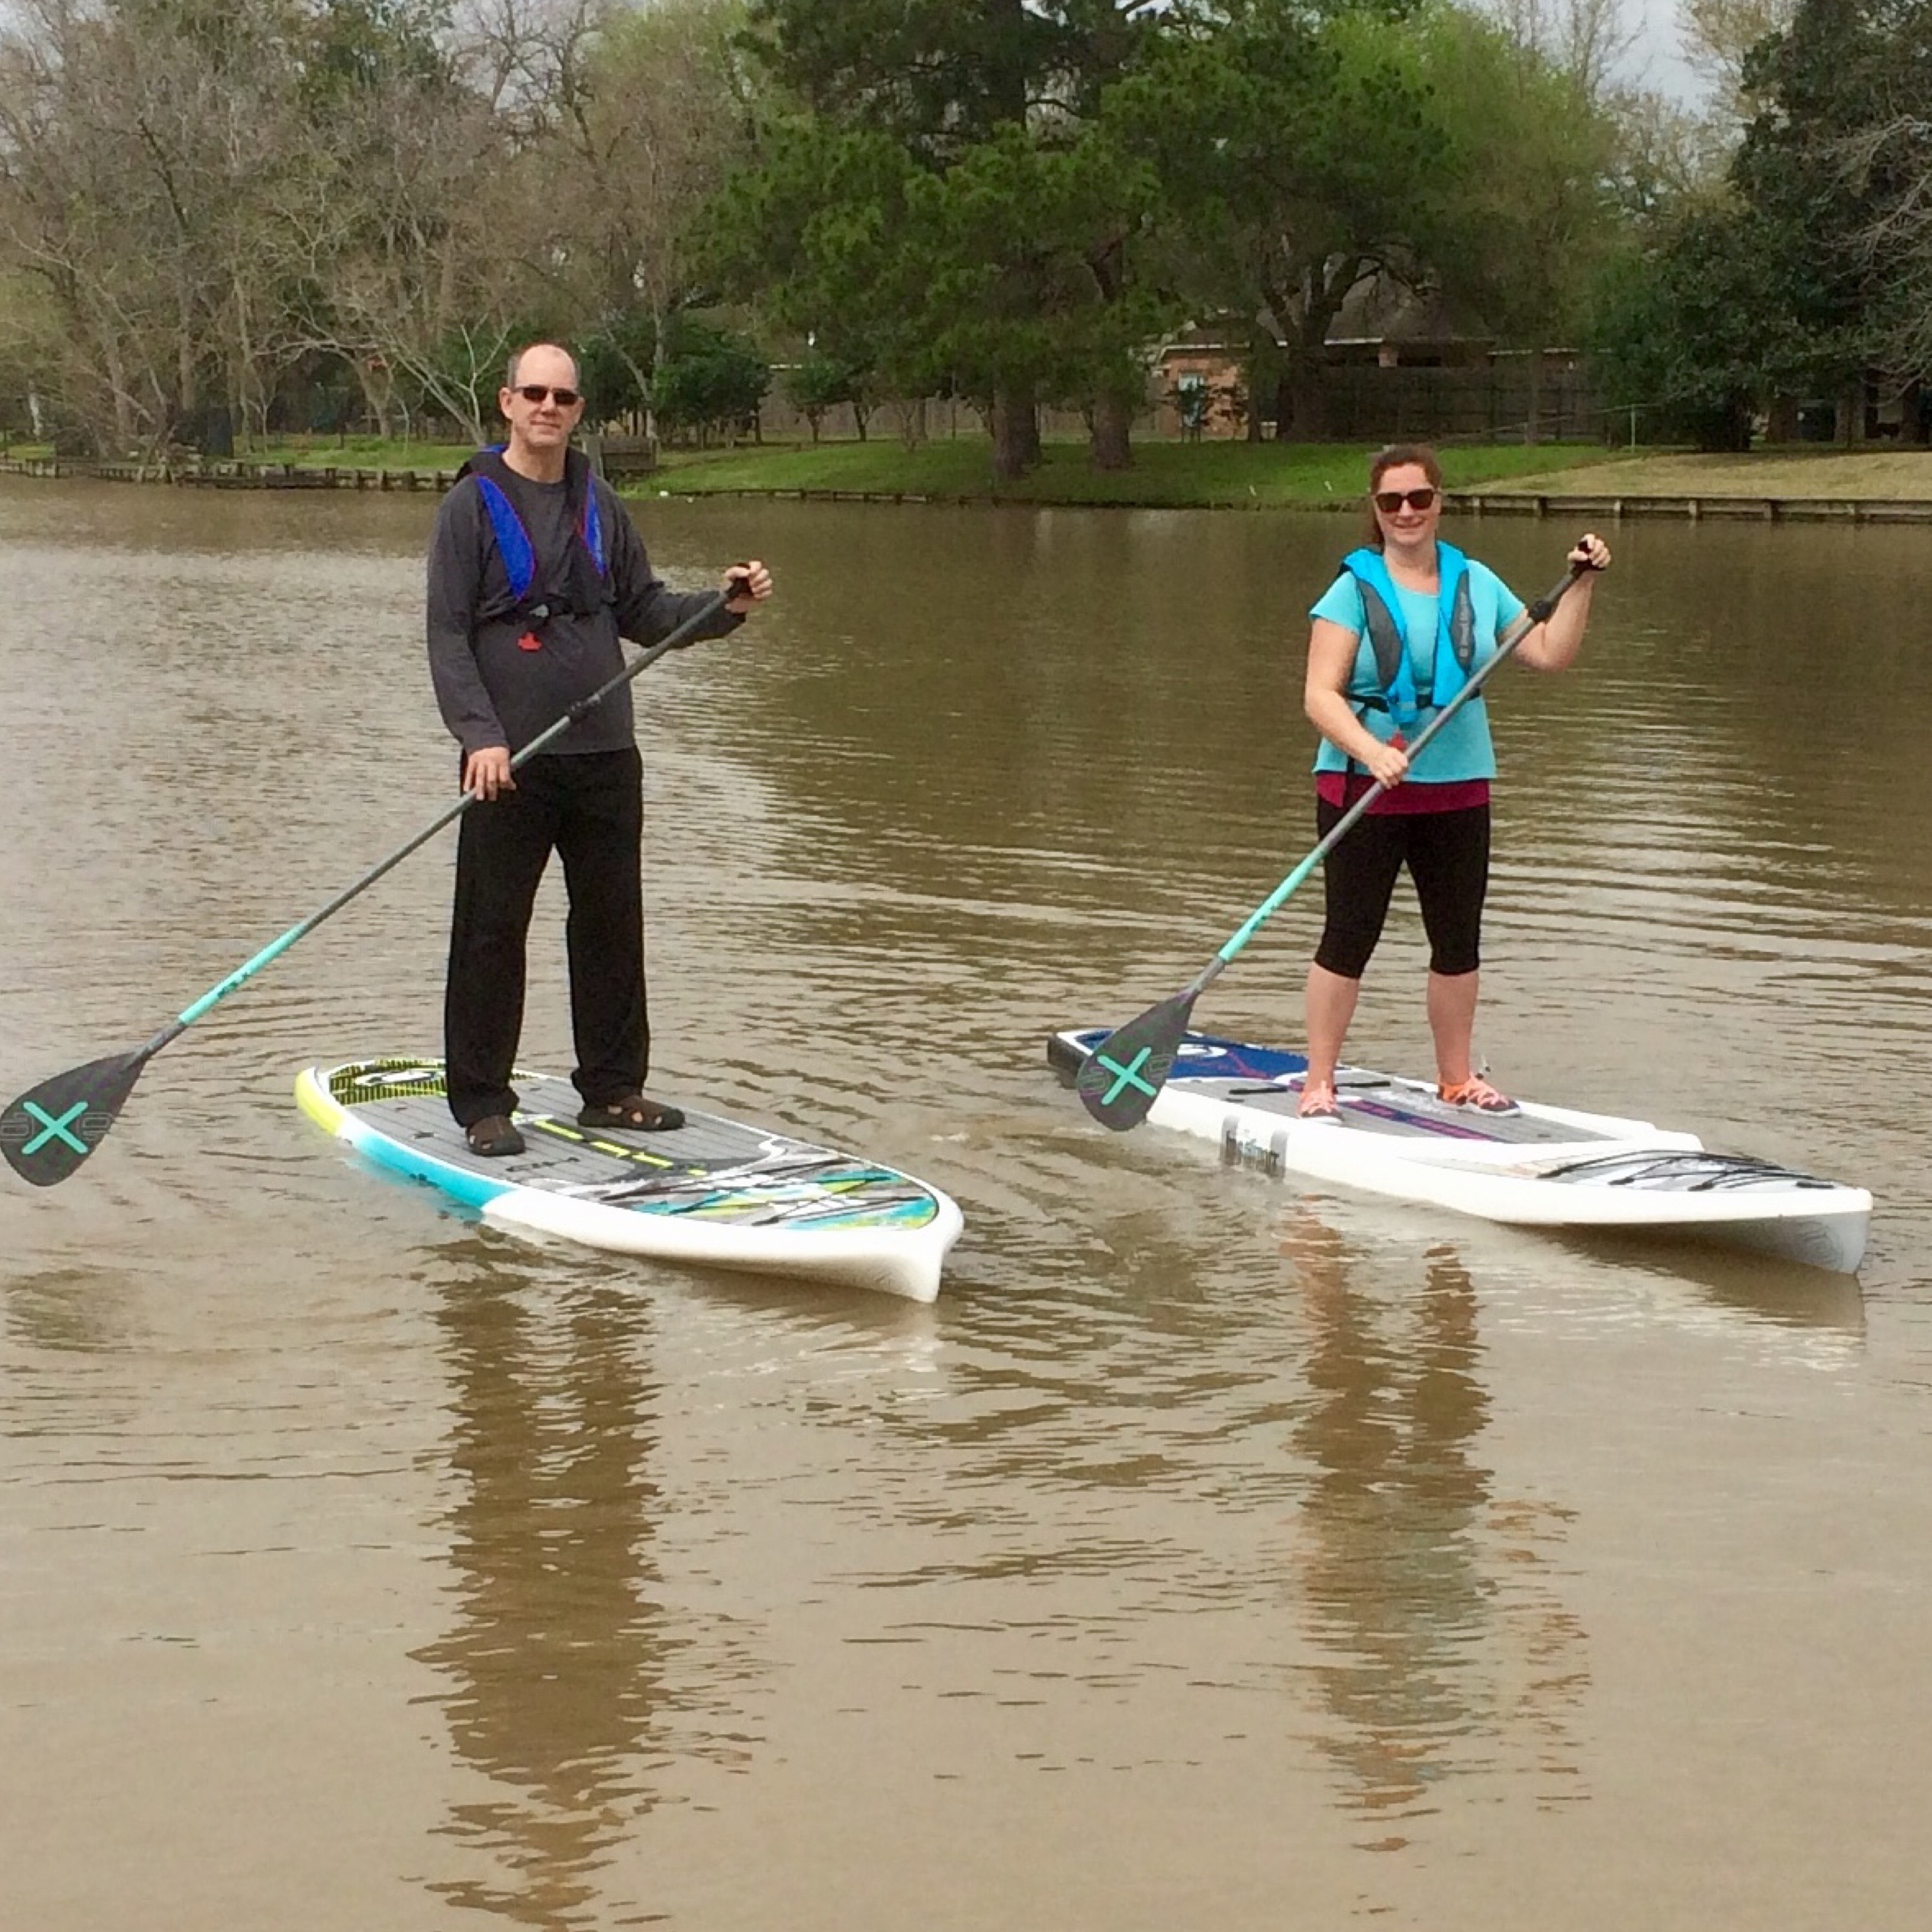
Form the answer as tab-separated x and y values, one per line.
490	689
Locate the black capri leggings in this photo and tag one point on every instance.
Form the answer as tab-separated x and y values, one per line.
1448	854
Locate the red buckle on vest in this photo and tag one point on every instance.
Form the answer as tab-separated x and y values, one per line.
529	641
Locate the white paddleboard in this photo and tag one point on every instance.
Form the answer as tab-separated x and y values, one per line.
1541	1166
713	1191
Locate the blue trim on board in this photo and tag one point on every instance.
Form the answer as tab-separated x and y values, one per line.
1204	1057
459	1184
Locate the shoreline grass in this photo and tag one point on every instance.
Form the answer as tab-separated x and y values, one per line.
1203	475
1780	473
1207	475
1166	474
358	452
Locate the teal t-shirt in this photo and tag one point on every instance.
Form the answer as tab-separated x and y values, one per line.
1462	750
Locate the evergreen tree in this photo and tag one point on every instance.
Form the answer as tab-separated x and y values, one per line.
1007	238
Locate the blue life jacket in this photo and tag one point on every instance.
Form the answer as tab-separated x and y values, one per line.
585	572
1455	650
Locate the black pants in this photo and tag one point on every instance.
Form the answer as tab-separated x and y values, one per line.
588	808
1447	855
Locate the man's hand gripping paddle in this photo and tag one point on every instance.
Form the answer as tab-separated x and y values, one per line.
1123	1076
50	1130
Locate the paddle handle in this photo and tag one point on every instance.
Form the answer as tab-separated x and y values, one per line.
274	950
1525	621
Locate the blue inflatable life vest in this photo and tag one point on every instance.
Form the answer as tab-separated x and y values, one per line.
1455	651
531	601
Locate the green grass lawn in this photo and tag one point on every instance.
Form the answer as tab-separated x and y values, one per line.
1256	476
358	452
1882	474
1242	475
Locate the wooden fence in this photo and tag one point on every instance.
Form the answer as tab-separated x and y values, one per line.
235	476
1367	403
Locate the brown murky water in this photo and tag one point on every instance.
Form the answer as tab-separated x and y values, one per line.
1211	1555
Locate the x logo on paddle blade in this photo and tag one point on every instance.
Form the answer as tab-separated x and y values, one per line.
1126	1076
50	1128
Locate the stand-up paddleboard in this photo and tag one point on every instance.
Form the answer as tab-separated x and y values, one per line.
1546	1167
713	1191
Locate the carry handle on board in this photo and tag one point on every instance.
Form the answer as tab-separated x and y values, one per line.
51	1129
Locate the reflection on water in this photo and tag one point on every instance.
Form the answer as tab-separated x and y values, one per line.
1435	1595
570	1680
1785	1295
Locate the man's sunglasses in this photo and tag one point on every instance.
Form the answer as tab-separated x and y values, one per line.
535	392
1387	501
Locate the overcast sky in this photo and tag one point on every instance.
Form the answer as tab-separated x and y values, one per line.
1656	56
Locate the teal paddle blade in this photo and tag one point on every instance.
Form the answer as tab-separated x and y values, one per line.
46	1133
1124	1074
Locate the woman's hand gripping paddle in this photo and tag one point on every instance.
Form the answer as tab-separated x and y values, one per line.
1124	1074
50	1130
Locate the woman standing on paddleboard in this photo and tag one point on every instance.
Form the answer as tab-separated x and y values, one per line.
1394	637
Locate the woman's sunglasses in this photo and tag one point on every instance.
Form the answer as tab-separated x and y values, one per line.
535	392
1388	501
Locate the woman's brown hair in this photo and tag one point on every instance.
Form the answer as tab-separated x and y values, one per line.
1397	456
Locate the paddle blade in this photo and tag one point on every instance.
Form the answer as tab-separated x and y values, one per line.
1124	1074
47	1133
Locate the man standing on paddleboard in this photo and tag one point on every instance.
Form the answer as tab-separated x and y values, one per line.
536	573
1393	638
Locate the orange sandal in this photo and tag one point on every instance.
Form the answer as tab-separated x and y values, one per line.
1476	1092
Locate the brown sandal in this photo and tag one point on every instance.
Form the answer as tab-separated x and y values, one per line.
495	1134
633	1114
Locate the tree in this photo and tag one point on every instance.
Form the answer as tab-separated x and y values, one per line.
1300	153
1699	332
1890	163
710	379
1584	41
408	279
1720	37
1526	218
1803	282
1839	70
1034	286
146	150
1886	164
938	75
647	114
612	359
831	233
996	89
816	385
1667	157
